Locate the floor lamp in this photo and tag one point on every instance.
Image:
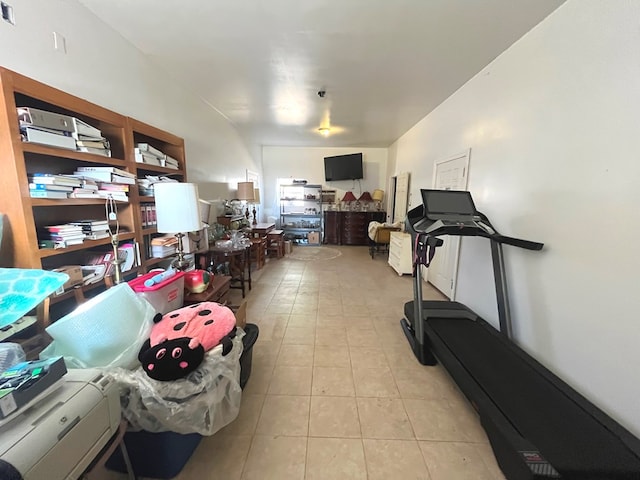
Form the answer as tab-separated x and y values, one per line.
177	212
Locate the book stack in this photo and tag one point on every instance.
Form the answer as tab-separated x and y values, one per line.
45	185
97	147
145	153
89	139
143	156
65	235
163	246
170	162
93	229
112	182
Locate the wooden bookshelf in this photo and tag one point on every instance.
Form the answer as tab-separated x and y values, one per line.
27	216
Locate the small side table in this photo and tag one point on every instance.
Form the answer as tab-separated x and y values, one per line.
261	229
216	292
237	260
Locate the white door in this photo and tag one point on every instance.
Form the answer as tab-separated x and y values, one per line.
449	174
401	197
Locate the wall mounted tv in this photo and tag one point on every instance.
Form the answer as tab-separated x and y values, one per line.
343	167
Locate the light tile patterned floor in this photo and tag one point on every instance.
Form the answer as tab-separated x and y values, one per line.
335	392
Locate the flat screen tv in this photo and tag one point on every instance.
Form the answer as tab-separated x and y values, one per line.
343	167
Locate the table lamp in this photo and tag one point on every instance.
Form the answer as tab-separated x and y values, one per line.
377	197
364	200
256	201
245	192
177	212
348	198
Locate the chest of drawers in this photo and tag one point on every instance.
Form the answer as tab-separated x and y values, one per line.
400	252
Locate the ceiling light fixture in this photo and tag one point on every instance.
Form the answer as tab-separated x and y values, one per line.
324	131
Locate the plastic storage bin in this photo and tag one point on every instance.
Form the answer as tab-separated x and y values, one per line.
165	296
156	455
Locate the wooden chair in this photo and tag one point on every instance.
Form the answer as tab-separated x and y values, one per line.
275	243
381	239
258	251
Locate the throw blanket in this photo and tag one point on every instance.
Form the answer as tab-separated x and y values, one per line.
373	228
21	290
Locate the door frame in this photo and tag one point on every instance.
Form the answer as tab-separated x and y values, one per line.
466	154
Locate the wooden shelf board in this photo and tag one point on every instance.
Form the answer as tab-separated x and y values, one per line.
51	252
72	154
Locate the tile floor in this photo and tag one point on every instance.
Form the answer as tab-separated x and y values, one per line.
335	392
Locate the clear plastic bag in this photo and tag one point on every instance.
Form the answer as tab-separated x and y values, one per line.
203	402
10	355
106	331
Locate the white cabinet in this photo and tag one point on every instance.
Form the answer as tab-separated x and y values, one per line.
400	252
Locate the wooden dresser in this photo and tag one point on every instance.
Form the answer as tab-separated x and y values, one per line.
349	228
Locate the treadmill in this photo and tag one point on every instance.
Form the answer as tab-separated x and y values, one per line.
538	426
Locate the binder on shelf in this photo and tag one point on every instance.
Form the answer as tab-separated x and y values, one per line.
105	152
46	137
146	157
103	144
84	131
145	147
34	117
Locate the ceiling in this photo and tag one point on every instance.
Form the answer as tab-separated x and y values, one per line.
384	64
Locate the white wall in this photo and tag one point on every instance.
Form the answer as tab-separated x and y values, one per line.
553	125
308	163
100	66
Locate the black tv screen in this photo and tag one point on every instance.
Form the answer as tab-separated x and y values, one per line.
343	167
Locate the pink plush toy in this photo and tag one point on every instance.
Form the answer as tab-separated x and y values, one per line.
207	323
179	339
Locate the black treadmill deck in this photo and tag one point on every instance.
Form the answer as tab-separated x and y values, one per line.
539	406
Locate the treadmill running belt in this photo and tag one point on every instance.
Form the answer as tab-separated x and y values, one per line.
572	440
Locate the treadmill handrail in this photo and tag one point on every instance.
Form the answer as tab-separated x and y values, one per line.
517	242
416	215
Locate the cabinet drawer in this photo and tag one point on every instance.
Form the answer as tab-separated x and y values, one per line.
394	259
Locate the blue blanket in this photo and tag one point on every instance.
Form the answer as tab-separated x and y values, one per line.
21	290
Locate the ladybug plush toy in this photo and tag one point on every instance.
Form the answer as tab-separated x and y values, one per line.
180	339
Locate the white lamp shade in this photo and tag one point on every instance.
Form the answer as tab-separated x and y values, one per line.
245	191
256	195
177	208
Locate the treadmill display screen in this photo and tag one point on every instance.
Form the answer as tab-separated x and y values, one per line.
447	201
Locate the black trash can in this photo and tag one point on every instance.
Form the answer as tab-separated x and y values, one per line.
251	335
